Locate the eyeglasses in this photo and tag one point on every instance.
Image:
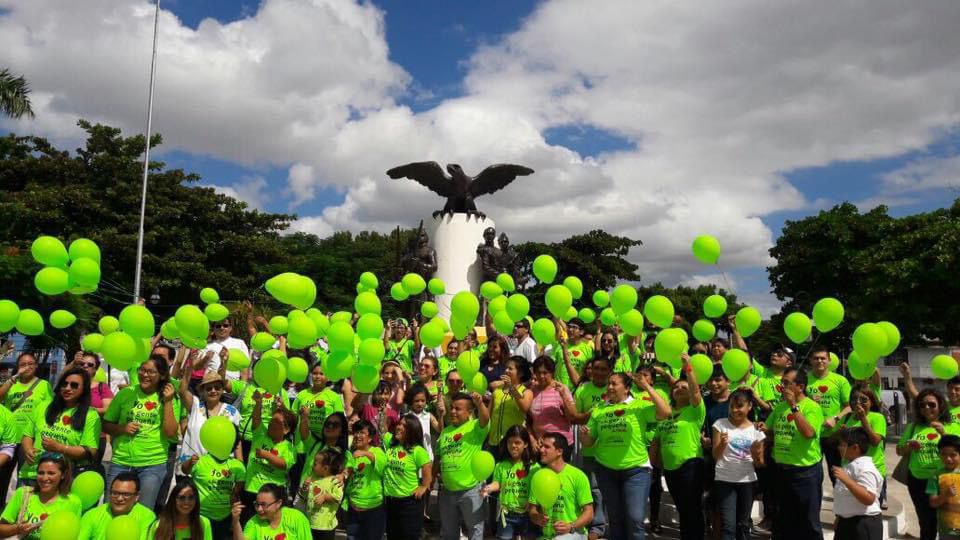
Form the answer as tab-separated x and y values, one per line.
862	399
186	498
221	326
27	363
73	385
214	388
259	504
87	364
148	372
928	405
122	495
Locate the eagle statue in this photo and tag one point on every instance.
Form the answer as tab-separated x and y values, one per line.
459	189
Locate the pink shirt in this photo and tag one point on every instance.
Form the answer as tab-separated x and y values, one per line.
98	393
547	411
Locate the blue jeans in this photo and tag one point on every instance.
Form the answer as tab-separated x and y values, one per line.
151	478
625	492
800	493
458	507
599	523
512	526
734	502
367	525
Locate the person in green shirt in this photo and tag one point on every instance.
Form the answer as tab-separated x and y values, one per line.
588	396
180	518
21	394
314	405
952	394
407	478
625	360
919	444
23	519
123	501
794	426
460	501
366	515
273	520
832	392
272	453
573	509
511	481
218	482
142	419
865	413
448	362
574	352
401	348
944	488
322	492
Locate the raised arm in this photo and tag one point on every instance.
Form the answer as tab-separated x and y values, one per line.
693	389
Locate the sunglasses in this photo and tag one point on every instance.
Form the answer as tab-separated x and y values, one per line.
221	326
186	498
928	405
214	388
87	364
73	385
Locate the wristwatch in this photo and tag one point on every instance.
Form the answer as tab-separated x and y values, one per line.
795	409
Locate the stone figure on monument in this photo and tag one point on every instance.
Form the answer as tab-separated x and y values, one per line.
420	257
489	256
459	189
510	260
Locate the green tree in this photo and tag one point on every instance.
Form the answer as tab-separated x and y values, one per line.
14	95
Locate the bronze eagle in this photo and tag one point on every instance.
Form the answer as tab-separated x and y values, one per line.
459	189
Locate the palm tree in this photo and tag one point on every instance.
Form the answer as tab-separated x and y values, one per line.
14	95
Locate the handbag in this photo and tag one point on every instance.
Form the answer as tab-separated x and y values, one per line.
901	473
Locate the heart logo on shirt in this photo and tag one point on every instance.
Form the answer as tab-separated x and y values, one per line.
274	451
789	418
225	473
647	398
319	403
281	536
457	437
576	353
268	395
603	396
43	516
931	436
65	419
150	405
401	455
361	466
619	412
317	490
779	388
521	474
823	388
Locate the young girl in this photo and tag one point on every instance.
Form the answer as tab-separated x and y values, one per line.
366	517
427	374
737	449
334	437
407	477
321	493
217	481
180	517
272	452
511	477
417	398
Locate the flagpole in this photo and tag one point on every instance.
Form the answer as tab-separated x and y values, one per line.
146	156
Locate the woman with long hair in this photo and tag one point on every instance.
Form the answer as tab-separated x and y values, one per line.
180	518
552	408
494	360
511	400
142	420
406	480
314	405
23	518
335	435
511	480
865	412
21	394
100	397
68	425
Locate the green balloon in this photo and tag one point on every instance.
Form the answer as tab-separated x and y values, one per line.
601	299
834	362
398	293
193	342
703	330
431	334
468	363
9	315
797	327
869	340
340	337
545	487
478	383
736	364
517	306
209	295
262	341
862	368
490	290
123	528
575	285
827	314
218	437
893	337
341	316
465	306
137	321
505	282
503	323
481	464
88	486
371	350
92	342
294	289
748	321
369	280
339	365
944	367
659	310
52	281
623	299
632	323
29	323
366	378
668	345
702	367
119	350
108	324
544	332
587	315
269	374
413	284
49	251
559	300
608	317
237	360
192	322
278	325
60	525
545	268
706	249
370	326
429	310
62	318
459	327
297	370
216	312
84	272
302	333
320	320
367	302
84	248
570	314
714	306
436	287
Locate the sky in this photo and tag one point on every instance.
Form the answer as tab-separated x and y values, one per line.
656	120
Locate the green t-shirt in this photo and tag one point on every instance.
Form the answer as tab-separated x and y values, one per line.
365	487
514	480
246	390
62	432
23	415
627	362
680	436
789	447
8	432
215	480
322	517
293	526
758	369
402	353
259	470
456	447
925	461
36	511
771	390
832	393
401	477
183	533
505	413
580	354
941	481
587	396
619	433
148	446
319	405
445	365
574	495
954	413
879	425
93	524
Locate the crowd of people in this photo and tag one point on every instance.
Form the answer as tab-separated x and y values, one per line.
596	408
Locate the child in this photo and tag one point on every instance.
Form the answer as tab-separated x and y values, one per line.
320	494
378	412
417	398
366	514
272	453
856	493
217	482
511	477
944	488
737	449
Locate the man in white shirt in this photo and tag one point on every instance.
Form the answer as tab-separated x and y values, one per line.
856	494
522	344
221	340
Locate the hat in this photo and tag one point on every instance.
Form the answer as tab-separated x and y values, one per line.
211	377
786	351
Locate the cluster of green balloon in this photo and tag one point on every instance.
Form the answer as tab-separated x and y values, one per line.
214	310
76	270
505	311
468	365
870	342
218	437
125	342
706	249
944	367
293	289
545	487
60	525
411	285
27	321
464	309
189	324
481	464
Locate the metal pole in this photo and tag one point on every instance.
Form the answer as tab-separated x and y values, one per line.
146	156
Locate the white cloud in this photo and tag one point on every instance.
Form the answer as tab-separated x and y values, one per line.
302	182
251	190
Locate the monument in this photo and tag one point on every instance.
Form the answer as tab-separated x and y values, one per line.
457	227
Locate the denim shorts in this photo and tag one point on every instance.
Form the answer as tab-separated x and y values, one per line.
514	524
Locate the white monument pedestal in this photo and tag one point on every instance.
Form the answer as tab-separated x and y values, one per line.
455	239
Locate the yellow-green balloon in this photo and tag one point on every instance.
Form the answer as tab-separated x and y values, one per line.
137	321
544	332
503	323
714	306
797	327
869	340
517	306
218	437
632	323
49	251
481	464
659	310
237	360
92	342
340	337
587	315
9	315
209	295
398	293
88	486
735	364
429	310
559	300
369	280
466	306
278	325
62	318
366	378
478	383
367	302
893	337
468	363
748	321
297	369
436	287
601	299
608	317
827	314
545	487
505	281
413	284
302	333
29	323
262	341
192	322
703	330
52	280
123	528
108	324
545	268
119	350
490	290
372	351
370	326
216	312
702	367
269	374
431	334
84	248
862	368
706	249
944	367
575	285
623	299
84	272
61	525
